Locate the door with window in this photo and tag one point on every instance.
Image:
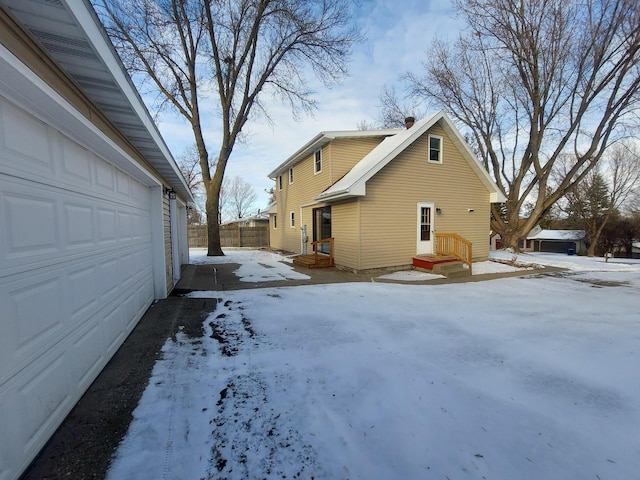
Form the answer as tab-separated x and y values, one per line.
322	227
425	228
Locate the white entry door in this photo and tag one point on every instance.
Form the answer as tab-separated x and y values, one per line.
425	228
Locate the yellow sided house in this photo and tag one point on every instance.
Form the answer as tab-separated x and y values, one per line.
384	199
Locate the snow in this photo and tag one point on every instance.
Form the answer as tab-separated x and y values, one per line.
528	378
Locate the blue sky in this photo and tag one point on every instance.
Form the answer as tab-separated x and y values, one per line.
398	34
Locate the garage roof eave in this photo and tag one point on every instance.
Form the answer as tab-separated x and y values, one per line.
72	34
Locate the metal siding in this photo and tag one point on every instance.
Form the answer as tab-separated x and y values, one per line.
75	276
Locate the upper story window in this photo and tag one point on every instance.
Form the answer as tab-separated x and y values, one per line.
291	175
435	148
280	182
317	165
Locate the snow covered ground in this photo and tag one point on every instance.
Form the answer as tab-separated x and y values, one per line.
517	378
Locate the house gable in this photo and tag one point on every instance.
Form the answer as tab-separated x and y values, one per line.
354	182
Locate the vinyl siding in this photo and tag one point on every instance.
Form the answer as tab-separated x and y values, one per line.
338	157
168	257
346	152
389	222
345	227
301	192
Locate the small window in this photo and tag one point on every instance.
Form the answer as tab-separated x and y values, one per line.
292	220
435	149
280	182
275	222
291	175
317	168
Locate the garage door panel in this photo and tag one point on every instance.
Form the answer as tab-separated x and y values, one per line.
52	225
79	225
27	323
76	164
28	138
113	328
43	308
82	282
41	394
30	225
86	355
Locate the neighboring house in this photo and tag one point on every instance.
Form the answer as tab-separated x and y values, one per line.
558	241
524	244
621	251
92	215
260	219
382	195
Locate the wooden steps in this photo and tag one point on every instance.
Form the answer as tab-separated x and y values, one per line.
446	265
313	261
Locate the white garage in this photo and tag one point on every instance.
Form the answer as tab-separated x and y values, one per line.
87	192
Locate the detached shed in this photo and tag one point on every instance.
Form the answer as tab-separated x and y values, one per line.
558	241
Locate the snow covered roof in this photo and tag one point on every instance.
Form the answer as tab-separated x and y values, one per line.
354	182
558	235
261	215
321	140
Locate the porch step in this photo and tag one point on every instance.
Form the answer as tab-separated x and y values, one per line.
453	269
309	261
428	261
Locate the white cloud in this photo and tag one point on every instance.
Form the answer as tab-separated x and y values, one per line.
398	35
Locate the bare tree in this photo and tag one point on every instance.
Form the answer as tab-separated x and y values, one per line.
238	49
189	164
238	197
532	81
393	110
604	191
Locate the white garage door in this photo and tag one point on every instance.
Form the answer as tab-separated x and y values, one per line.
75	276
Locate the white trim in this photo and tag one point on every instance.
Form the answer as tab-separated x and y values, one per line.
324	138
90	24
175	238
23	87
291	175
319	151
427	245
353	184
157	244
440	151
292	219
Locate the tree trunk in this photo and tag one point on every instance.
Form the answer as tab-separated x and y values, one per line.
214	248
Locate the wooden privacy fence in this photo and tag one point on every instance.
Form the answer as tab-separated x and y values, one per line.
230	236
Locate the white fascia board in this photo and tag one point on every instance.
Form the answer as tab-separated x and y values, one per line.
495	196
86	17
23	87
315	143
320	140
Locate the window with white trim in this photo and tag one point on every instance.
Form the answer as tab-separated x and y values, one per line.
280	182
291	175
435	148
275	222
317	165
292	219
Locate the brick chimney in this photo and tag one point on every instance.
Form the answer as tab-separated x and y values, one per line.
409	121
